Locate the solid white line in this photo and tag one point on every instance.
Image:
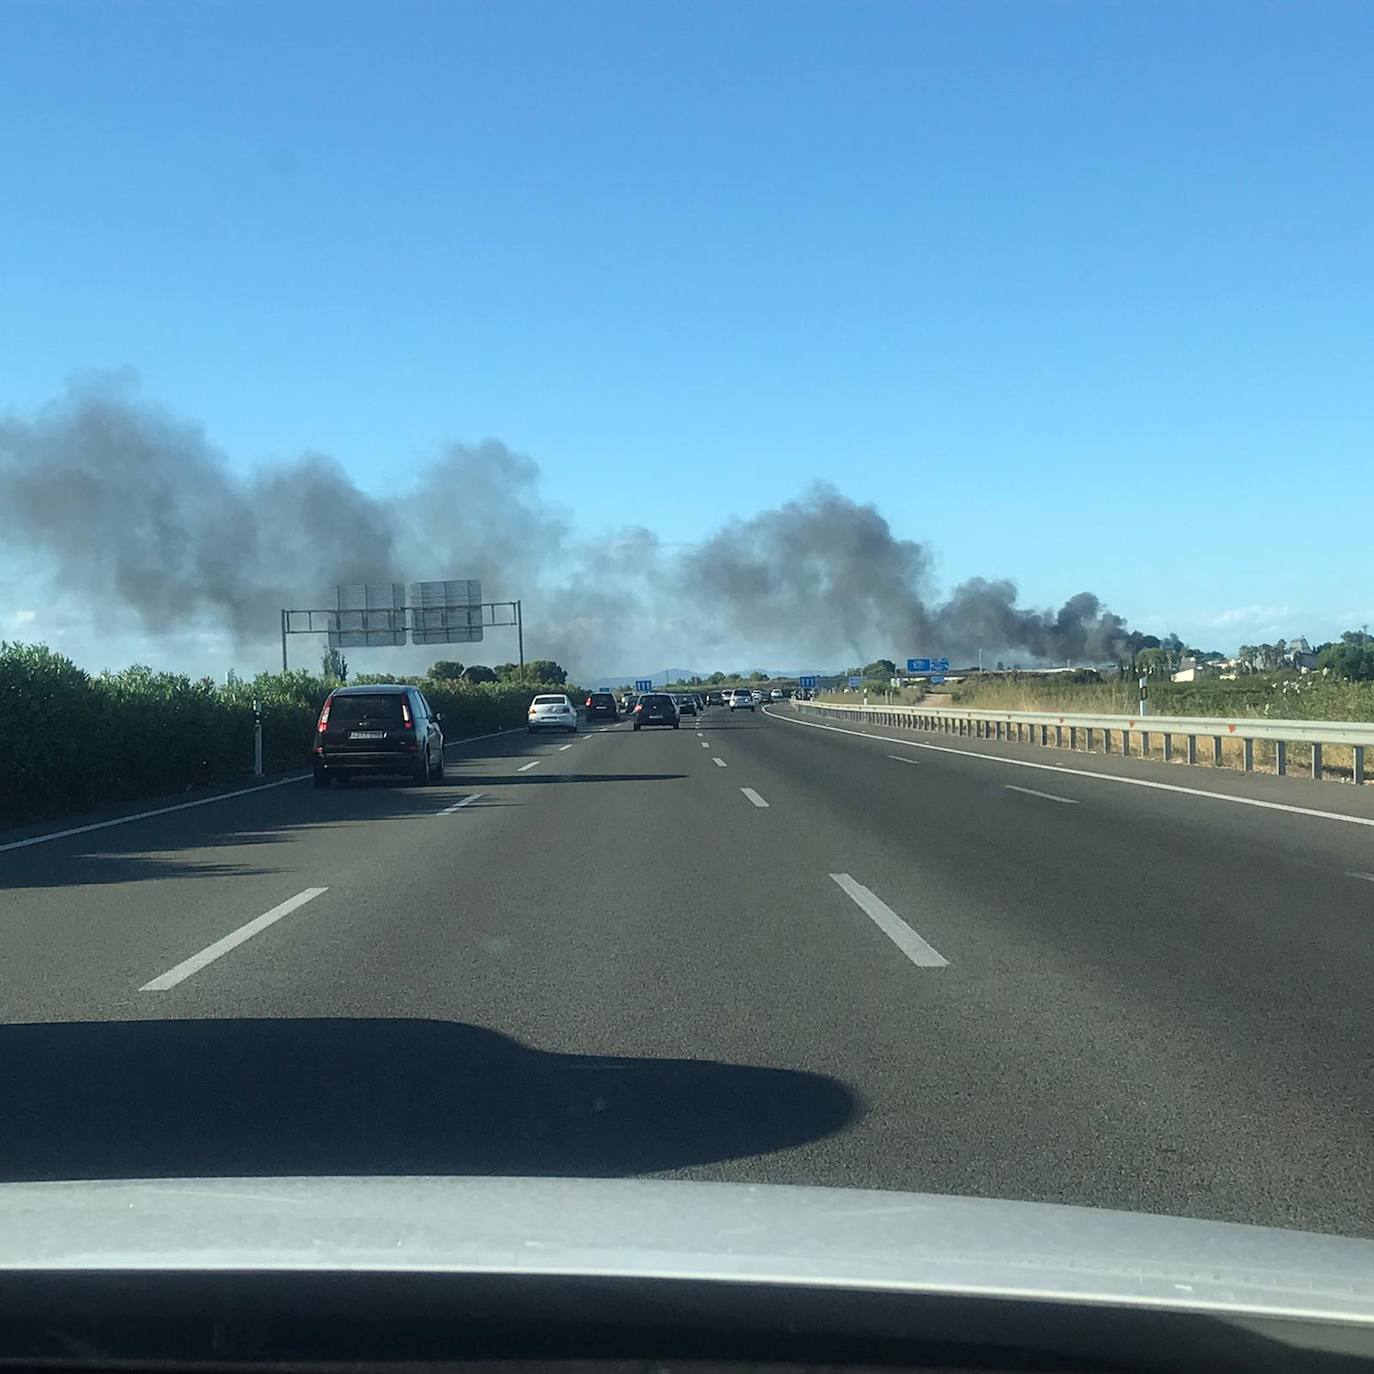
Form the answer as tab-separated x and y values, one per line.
897	758
202	801
1084	773
459	805
210	953
753	796
892	925
525	767
143	815
491	734
1048	796
720	763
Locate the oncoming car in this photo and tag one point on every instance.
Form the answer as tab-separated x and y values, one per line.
552	712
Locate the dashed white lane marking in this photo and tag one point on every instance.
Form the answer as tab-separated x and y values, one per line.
1085	773
1048	796
210	953
705	745
459	805
525	767
1368	877
916	949
897	758
562	747
753	796
720	763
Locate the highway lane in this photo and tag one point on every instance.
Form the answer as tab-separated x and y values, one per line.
616	961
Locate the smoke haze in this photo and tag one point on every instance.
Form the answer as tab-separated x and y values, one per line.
139	517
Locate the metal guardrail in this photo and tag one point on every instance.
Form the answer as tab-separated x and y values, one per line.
1053	728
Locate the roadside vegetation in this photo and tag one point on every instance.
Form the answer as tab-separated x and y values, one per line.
74	741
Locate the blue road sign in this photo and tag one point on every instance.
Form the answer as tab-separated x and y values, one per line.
939	665
807	682
936	679
644	684
856	681
918	665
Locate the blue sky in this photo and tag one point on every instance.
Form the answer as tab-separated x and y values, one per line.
1079	293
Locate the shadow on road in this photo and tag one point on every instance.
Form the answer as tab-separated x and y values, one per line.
235	1098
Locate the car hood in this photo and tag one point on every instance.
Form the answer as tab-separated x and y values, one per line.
770	1234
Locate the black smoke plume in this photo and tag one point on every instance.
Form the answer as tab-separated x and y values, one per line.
137	514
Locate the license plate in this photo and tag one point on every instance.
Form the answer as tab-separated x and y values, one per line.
368	734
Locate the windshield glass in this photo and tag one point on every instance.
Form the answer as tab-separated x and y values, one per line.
946	432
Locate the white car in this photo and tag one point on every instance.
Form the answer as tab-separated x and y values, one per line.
775	694
741	701
552	712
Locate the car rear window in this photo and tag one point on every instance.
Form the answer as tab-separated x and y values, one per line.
350	710
656	701
603	698
550	701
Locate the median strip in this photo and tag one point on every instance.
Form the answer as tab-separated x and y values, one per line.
916	949
210	953
753	796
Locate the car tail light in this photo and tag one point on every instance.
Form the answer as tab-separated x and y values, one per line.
324	714
405	717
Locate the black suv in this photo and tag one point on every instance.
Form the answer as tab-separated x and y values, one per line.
656	708
602	704
388	728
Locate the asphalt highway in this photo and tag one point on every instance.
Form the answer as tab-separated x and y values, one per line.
749	949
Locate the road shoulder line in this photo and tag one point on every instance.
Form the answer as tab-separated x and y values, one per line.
1062	771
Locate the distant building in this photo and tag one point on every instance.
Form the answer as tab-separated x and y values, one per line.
1193	670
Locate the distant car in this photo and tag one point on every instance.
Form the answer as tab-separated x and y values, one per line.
657	708
775	694
741	701
687	705
386	728
714	699
627	703
552	712
601	706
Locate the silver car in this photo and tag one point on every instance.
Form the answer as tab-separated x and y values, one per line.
552	712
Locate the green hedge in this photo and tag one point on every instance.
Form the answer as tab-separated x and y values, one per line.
71	742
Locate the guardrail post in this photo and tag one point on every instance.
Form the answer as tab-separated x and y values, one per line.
1168	747
1316	761
1247	754
1058	736
1087	739
1216	751
1125	744
1192	748
1281	757
1357	758
1144	744
1106	741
